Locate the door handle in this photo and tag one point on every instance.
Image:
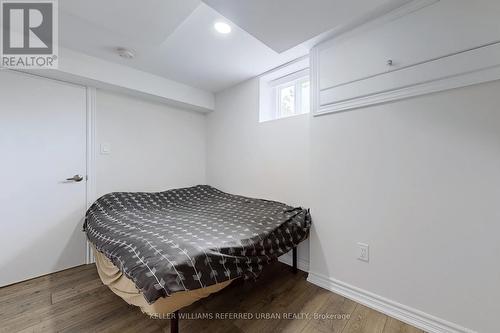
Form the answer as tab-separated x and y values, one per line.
75	178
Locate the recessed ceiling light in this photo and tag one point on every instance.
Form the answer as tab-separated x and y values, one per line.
125	53
222	27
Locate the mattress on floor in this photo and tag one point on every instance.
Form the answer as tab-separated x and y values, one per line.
191	238
126	289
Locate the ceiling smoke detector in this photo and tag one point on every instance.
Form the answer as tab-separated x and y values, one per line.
125	53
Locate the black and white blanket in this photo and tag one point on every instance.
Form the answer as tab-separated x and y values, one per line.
191	238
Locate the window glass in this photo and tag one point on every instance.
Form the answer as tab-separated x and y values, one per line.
286	101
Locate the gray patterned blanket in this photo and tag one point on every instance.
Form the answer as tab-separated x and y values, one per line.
191	238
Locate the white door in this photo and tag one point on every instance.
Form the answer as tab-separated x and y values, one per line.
42	142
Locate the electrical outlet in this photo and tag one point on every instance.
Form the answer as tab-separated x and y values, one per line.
364	252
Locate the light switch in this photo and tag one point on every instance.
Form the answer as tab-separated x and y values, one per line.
105	148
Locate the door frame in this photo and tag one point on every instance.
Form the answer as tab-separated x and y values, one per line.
91	194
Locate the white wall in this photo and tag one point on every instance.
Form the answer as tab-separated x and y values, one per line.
418	180
154	147
267	160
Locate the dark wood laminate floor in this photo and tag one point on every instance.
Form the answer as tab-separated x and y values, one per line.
75	300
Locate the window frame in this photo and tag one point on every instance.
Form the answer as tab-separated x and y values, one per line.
296	80
283	75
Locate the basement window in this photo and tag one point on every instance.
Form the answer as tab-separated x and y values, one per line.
285	93
292	98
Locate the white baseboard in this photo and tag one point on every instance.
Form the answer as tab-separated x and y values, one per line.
393	309
302	264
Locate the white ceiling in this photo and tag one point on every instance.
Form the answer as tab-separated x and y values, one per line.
283	24
175	39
